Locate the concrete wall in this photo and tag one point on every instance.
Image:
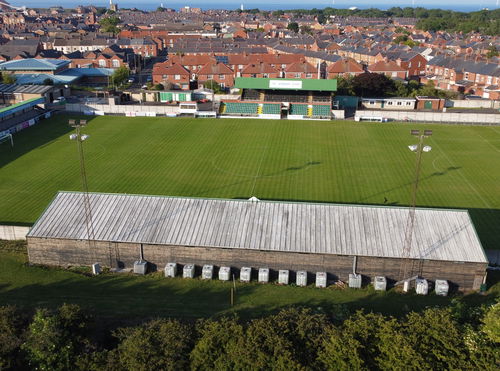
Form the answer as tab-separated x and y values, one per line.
59	252
446	117
13	232
87	108
473	103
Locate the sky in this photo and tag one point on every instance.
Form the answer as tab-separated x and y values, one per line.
232	4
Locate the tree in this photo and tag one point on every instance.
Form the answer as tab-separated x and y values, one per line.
293	26
305	29
211	84
492	52
8	78
345	86
491	323
219	345
109	24
288	340
156	345
120	75
54	340
321	18
436	335
11	332
372	85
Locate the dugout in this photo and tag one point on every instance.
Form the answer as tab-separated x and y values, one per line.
282	98
294	236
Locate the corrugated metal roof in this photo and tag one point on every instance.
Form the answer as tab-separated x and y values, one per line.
305	84
32	64
264	225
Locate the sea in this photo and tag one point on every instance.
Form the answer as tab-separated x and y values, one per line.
457	5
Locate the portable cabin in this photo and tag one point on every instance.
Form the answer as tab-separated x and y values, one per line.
421	286
321	279
171	270
245	274
283	276
188	271
380	283
354	280
263	275
301	278
224	273
207	272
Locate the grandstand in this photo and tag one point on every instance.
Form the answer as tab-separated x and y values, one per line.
282	98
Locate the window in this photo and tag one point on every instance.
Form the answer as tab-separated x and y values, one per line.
409	64
371	102
394	74
419	64
466	76
408	103
177	77
222	77
116	63
389	103
210	77
400	103
240	66
297	75
102	63
490	78
283	66
308	75
266	75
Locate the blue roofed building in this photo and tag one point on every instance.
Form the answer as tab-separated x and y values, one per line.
35	66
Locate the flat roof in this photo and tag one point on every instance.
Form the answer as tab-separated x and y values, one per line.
299	227
286	84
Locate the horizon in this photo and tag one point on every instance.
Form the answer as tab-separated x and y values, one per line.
275	5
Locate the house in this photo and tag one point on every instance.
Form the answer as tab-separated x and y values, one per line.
167	73
217	72
301	70
261	69
389	68
345	67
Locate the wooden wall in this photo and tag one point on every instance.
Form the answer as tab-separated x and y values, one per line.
463	276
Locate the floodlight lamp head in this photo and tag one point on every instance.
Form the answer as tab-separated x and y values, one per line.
427	133
415	132
413	148
72	122
83	122
73	136
84	137
427	148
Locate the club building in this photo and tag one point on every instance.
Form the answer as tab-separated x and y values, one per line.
336	239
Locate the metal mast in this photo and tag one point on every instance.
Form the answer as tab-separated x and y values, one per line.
80	138
405	272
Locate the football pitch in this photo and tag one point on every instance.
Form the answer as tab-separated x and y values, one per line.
342	162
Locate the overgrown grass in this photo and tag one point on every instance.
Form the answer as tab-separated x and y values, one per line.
345	162
126	296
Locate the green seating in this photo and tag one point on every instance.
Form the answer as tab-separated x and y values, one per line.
298	109
321	110
271	109
241	108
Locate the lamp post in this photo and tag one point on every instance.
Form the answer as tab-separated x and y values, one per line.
419	149
80	138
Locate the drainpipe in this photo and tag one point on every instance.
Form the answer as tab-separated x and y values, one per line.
354	264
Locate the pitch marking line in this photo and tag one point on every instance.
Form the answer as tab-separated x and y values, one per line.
463	176
487	141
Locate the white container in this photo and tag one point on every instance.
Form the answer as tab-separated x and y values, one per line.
96	269
245	274
207	272
442	287
171	270
301	278
354	281
263	275
321	279
188	271
224	273
283	276
140	267
380	283
421	286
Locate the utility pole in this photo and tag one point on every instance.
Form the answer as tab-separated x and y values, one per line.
80	138
404	271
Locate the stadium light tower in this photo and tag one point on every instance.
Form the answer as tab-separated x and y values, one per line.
420	148
80	138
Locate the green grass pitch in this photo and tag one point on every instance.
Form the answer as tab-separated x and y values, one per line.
343	162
